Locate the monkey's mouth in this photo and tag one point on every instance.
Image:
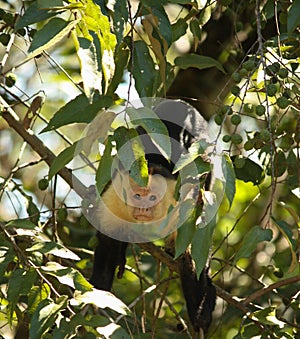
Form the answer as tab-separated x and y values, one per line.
142	217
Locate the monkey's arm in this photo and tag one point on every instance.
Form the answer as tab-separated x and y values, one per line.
109	254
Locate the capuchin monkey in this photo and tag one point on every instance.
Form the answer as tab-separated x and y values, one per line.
124	203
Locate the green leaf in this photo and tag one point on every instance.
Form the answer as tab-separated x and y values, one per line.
144	71
121	61
251	171
98	129
201	244
44	317
22	223
197	61
62	160
195	28
249	331
68	326
53	248
33	211
186	231
179	29
7	255
131	154
90	73
267	316
254	236
32	15
77	110
114	331
67	276
205	13
101	299
286	231
156	8
293	18
120	18
45	4
155	128
54	31
104	170
20	283
229	176
195	151
98	24
36	295
181	2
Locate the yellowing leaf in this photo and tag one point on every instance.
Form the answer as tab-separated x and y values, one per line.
98	129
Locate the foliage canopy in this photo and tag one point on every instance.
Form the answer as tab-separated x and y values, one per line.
77	66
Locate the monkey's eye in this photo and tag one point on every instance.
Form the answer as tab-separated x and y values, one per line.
137	196
152	197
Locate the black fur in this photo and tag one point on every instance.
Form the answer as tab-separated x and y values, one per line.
186	126
200	294
109	254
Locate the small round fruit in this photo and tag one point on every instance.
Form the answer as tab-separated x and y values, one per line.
287	93
239	26
21	31
62	214
43	184
235	90
248	108
4	39
236	139
265	135
249	144
278	273
10	79
295	89
283	73
249	65
218	119
258	144
283	102
226	138
235	119
226	109
236	77
273	68
274	80
8	18
260	110
243	72
286	142
271	90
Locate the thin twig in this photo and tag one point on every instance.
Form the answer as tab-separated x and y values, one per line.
271	287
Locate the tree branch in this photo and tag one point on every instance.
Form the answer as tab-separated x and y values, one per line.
271	287
37	145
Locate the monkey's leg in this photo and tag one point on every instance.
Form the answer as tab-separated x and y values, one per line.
109	254
200	294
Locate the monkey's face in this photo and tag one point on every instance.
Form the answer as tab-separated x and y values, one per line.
131	202
150	203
